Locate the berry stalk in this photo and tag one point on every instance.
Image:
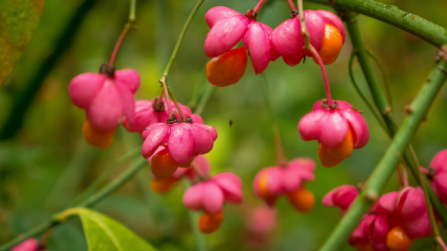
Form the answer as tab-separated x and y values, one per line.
182	115
127	27
258	6
315	54
292	6
304	31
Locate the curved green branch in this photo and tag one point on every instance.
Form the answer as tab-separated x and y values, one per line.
430	32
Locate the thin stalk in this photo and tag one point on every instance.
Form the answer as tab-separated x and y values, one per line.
315	54
182	115
304	31
180	38
89	202
387	164
194	218
360	93
258	6
276	135
292	6
381	103
164	87
163	80
105	175
127	27
385	79
204	99
420	27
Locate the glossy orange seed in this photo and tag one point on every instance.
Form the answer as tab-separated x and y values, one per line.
330	157
228	68
302	199
98	138
398	240
331	46
209	223
162	165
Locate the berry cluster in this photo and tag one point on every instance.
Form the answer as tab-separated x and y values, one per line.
289	179
397	218
264	44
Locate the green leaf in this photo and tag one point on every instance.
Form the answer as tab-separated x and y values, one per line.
105	234
18	21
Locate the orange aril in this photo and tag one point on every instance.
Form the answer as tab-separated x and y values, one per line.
228	68
99	138
302	199
209	223
331	46
162	165
330	157
398	240
161	186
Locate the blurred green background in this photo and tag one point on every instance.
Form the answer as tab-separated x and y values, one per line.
47	163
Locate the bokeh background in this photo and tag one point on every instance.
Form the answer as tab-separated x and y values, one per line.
47	163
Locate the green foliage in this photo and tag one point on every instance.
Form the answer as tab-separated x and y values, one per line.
105	234
18	21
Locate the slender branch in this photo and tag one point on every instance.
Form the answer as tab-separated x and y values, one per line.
258	6
385	79
430	32
182	115
384	108
194	218
276	136
105	175
292	6
132	11
204	99
386	166
164	87
127	27
304	31
90	201
181	36
360	93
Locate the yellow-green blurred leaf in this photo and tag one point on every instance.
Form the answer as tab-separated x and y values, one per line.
105	234
18	21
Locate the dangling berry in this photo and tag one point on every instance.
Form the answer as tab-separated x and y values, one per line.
302	199
30	244
271	182
398	240
228	68
209	222
162	165
331	46
338	128
99	138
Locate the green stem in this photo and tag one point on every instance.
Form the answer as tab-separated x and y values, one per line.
129	26
387	164
89	202
204	99
360	93
387	114
182	115
132	11
194	218
406	21
181	36
385	79
275	129
105	175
